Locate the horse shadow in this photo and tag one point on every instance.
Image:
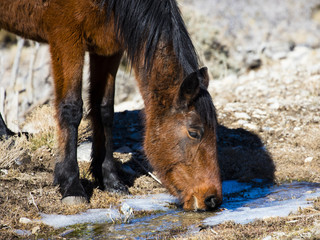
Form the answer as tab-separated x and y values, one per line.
243	158
242	154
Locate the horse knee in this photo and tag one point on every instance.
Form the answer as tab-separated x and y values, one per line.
70	112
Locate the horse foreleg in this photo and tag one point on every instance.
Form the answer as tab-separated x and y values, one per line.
4	130
102	86
67	63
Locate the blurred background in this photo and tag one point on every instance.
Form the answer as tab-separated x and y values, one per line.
231	37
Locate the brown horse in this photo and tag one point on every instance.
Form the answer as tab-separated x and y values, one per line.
180	137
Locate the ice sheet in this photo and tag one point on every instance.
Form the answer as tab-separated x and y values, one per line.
244	202
264	202
90	216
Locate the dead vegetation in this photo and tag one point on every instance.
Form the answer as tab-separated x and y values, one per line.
269	129
26	177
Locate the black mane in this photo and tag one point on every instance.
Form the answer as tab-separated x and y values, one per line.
143	23
205	108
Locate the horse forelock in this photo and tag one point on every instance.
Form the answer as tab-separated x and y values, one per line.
204	107
142	24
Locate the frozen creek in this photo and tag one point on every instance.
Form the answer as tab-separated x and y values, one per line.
243	203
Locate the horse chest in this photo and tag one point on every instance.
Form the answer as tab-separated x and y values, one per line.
102	44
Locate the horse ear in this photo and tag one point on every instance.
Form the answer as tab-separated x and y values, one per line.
204	76
189	89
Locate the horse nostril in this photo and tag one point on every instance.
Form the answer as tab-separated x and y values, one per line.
211	202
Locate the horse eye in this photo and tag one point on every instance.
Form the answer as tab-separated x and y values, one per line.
194	135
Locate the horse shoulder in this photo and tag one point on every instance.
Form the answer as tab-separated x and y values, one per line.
85	21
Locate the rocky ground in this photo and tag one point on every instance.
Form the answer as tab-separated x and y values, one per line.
264	60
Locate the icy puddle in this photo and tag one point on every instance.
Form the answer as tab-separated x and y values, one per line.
243	203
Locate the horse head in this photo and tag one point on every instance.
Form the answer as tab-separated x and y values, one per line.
182	146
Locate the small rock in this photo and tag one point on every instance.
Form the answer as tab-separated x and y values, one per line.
279	55
84	152
316	119
4	171
267	238
35	229
25	220
259	112
21	232
252	61
258	116
308	159
267	129
231	107
251	126
242	122
242	115
275	106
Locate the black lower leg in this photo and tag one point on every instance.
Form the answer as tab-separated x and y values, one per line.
66	173
103	166
4	130
109	171
103	71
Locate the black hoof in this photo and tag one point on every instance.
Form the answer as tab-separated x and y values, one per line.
73	193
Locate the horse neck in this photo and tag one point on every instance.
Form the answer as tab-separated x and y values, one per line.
160	85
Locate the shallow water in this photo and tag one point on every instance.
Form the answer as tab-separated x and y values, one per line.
243	203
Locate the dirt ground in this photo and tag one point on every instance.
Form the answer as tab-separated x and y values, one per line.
269	128
268	114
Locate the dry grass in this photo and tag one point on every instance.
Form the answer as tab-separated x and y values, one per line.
299	157
13	151
27	174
